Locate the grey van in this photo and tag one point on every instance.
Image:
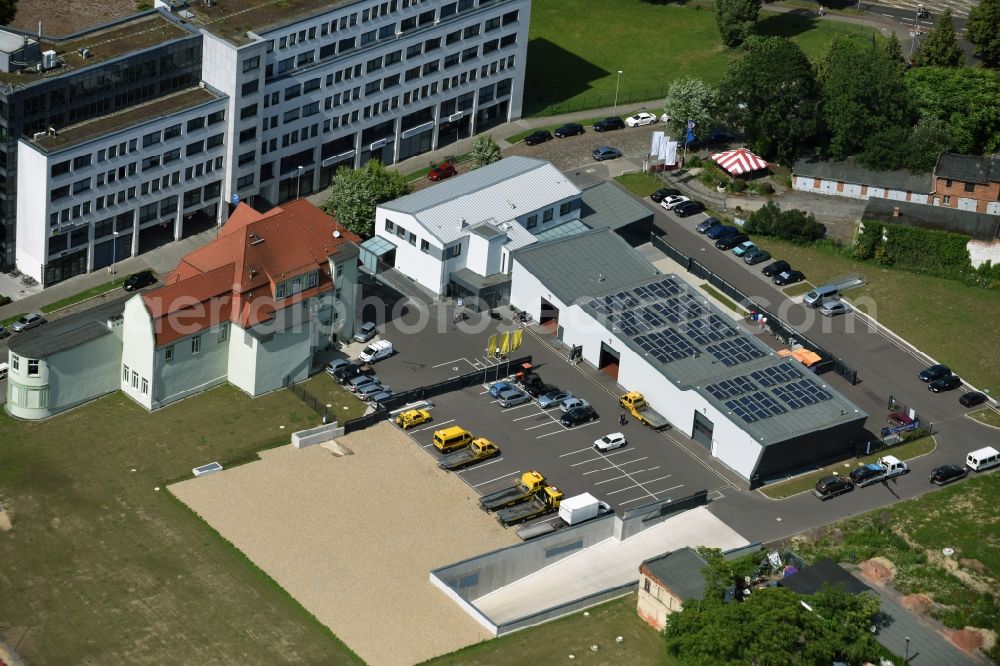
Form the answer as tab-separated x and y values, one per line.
815	298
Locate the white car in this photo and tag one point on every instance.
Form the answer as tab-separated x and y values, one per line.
615	440
640	119
665	117
670	202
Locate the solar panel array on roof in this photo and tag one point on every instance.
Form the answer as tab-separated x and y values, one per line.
785	372
755	407
801	393
735	351
785	381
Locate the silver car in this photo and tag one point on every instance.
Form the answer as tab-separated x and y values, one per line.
553	399
27	321
367	391
573	403
833	307
360	382
512	397
365	332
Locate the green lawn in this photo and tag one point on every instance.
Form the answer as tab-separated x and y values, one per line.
912	535
722	298
553	642
578	46
101	567
640	184
797	289
800	484
987	415
83	295
914	306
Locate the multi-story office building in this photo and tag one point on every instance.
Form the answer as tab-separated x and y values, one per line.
307	86
60	82
318	84
119	185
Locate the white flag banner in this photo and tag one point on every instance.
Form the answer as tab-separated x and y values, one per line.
654	150
670	152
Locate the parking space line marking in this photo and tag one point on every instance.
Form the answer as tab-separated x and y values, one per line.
573	453
436	425
629	462
615	478
629	476
521	418
661	479
496	479
479	466
637	499
584	462
439	365
540	425
621	490
565	429
510	409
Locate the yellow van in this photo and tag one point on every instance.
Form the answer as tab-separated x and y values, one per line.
451	438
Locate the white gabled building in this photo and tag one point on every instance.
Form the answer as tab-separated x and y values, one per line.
456	237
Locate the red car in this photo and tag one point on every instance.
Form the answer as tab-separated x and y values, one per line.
442	171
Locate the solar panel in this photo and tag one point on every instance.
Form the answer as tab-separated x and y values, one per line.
801	393
729	388
735	351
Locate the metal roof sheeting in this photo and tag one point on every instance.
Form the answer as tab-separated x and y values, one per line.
497	193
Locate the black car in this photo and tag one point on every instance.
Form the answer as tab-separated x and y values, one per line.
731	241
536	390
862	476
945	384
934	372
688	208
831	486
663	192
348	372
541	136
775	268
788	277
569	129
948	473
139	280
707	224
972	398
612	123
577	416
720	230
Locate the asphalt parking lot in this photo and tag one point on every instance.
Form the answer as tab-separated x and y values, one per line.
651	467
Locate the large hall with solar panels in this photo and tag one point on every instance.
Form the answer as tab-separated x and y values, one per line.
758	413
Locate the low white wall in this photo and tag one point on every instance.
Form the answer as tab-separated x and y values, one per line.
317	435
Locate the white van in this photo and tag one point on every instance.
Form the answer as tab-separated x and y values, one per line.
983	459
3	370
815	298
376	351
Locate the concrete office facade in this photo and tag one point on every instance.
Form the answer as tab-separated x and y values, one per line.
360	81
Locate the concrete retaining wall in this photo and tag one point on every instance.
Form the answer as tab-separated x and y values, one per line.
317	435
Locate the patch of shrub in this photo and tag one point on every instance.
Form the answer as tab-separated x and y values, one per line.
794	225
930	251
4	300
692	162
739	185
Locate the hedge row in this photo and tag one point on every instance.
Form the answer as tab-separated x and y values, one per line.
793	225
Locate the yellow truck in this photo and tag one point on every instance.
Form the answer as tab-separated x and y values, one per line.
635	404
529	484
412	418
478	450
544	501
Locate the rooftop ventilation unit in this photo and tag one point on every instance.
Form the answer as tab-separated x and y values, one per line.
48	59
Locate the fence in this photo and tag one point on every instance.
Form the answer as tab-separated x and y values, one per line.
306	397
778	328
382	412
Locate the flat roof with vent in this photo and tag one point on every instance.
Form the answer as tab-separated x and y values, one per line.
101	126
102	43
233	19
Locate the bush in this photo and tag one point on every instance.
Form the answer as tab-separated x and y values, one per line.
930	251
793	225
4	300
739	185
764	187
692	162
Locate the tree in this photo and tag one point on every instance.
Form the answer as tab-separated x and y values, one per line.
927	141
772	627
8	10
736	20
984	31
690	99
894	50
772	94
355	193
485	150
940	48
967	100
863	94
885	150
792	225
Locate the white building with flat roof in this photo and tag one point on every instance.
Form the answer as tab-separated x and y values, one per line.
112	187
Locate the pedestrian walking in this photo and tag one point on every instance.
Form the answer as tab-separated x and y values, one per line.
621	419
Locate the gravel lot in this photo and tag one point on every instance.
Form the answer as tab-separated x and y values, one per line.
354	537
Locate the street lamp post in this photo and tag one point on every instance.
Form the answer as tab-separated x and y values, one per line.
298	183
906	655
916	25
114	256
617	81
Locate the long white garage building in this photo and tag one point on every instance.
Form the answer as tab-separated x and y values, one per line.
759	414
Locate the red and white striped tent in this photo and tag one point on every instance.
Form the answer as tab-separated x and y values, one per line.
738	162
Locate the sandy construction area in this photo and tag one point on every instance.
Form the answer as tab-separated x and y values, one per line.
353	538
